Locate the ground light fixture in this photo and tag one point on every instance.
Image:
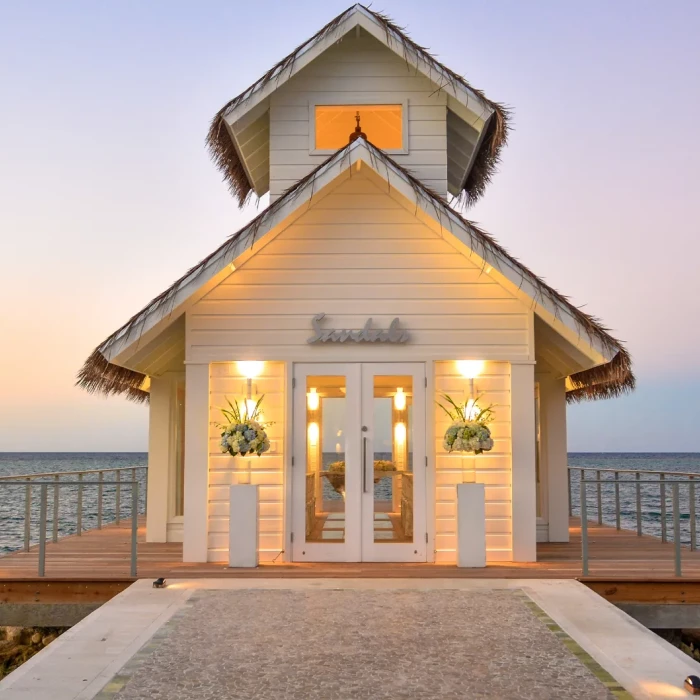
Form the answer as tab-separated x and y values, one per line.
159	583
692	685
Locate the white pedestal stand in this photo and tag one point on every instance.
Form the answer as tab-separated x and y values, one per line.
471	526
243	526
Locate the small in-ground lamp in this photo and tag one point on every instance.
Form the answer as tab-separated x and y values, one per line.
159	583
692	685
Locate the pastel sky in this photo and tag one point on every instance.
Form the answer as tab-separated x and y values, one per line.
107	193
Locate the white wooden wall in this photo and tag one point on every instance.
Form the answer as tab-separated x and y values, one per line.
267	471
356	253
492	468
358	69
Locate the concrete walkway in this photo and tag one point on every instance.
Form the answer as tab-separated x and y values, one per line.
354	638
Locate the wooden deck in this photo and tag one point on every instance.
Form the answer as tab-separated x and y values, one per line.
105	555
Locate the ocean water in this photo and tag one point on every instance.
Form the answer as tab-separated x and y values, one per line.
12	502
12	498
678	463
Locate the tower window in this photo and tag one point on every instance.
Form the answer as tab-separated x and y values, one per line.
382	124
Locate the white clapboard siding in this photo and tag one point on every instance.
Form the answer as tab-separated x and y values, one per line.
323	263
491	468
266	471
357	70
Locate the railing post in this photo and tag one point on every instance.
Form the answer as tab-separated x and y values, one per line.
662	496
639	505
691	504
617	500
599	498
42	530
27	514
56	492
676	531
133	475
100	479
584	529
80	504
119	495
568	477
134	524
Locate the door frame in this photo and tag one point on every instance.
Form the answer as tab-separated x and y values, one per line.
352	550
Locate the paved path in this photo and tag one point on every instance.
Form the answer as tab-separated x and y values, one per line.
352	640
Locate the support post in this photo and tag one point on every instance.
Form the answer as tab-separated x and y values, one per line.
158	491
584	526
555	457
42	530
56	491
524	476
195	531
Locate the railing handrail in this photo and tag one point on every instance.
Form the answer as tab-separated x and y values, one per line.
27	477
635	471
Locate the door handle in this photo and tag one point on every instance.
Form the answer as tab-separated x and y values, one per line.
364	465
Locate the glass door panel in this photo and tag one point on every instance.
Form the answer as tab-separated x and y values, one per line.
393	458
393	499
325	458
326	472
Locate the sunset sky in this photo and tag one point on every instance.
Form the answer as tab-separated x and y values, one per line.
108	194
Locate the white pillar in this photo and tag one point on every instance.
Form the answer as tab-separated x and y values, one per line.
159	440
471	525
195	530
524	485
553	405
243	525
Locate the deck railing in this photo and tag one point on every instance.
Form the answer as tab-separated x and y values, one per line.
633	497
99	508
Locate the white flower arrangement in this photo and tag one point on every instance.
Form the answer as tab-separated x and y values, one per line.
469	431
244	433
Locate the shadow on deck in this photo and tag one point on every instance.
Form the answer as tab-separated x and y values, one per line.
105	554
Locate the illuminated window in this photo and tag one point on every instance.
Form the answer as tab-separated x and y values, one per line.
383	125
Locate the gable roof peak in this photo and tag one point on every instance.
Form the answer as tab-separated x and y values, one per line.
226	153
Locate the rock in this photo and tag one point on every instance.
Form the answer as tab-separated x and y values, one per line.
36	638
48	639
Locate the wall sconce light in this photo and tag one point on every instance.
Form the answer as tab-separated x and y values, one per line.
400	399
250	369
470	369
400	434
312	399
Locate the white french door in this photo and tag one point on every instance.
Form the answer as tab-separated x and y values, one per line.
358	484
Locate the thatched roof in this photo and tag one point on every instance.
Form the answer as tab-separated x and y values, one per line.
226	157
610	379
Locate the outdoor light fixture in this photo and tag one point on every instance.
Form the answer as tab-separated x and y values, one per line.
400	399
160	583
313	434
312	399
250	369
692	685
470	369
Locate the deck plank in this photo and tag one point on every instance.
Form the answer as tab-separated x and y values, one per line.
105	554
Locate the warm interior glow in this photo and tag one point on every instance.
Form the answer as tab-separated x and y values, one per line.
312	399
472	409
248	406
250	368
383	125
400	434
470	369
400	399
313	434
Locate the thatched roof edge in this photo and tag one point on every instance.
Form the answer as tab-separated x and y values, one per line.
98	375
227	159
610	379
